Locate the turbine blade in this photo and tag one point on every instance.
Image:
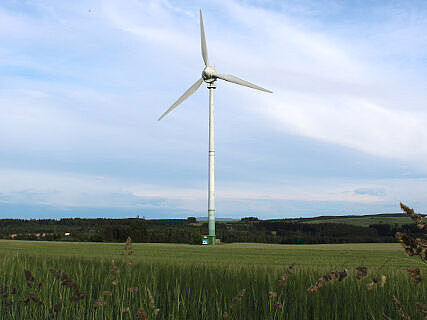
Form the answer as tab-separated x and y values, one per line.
203	41
234	79
186	94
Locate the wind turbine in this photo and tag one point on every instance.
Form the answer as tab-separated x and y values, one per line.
210	75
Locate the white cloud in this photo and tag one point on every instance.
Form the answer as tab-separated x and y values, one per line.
98	80
70	190
323	90
354	122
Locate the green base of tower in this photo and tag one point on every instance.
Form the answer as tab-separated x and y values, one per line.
211	240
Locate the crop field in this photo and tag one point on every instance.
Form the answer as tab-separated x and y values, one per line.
364	221
66	280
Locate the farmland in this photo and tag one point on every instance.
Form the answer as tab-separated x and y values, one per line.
239	254
362	221
238	281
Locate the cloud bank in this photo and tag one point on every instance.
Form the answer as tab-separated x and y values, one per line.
82	85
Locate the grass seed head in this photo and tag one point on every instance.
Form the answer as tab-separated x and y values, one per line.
362	272
141	314
239	296
57	306
68	282
422	307
416	217
278	305
334	275
377	280
99	303
383	280
35	299
400	310
289	269
55	273
412	245
415	275
28	275
151	299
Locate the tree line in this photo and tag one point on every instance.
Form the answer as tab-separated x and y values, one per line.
191	231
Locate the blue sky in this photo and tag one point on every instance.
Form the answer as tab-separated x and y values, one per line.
83	83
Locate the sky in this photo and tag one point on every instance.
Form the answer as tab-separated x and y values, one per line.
82	84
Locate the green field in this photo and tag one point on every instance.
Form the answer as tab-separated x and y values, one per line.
195	282
364	221
319	255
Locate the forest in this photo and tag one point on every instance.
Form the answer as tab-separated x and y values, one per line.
190	230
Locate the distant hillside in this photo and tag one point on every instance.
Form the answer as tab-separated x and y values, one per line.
217	219
347	229
363	221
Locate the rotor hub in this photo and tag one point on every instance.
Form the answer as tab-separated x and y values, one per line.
209	74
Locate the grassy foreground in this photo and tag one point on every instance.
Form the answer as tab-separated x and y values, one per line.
240	281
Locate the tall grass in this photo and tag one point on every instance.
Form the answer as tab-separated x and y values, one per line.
198	291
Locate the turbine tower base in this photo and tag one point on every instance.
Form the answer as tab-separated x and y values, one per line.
211	240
